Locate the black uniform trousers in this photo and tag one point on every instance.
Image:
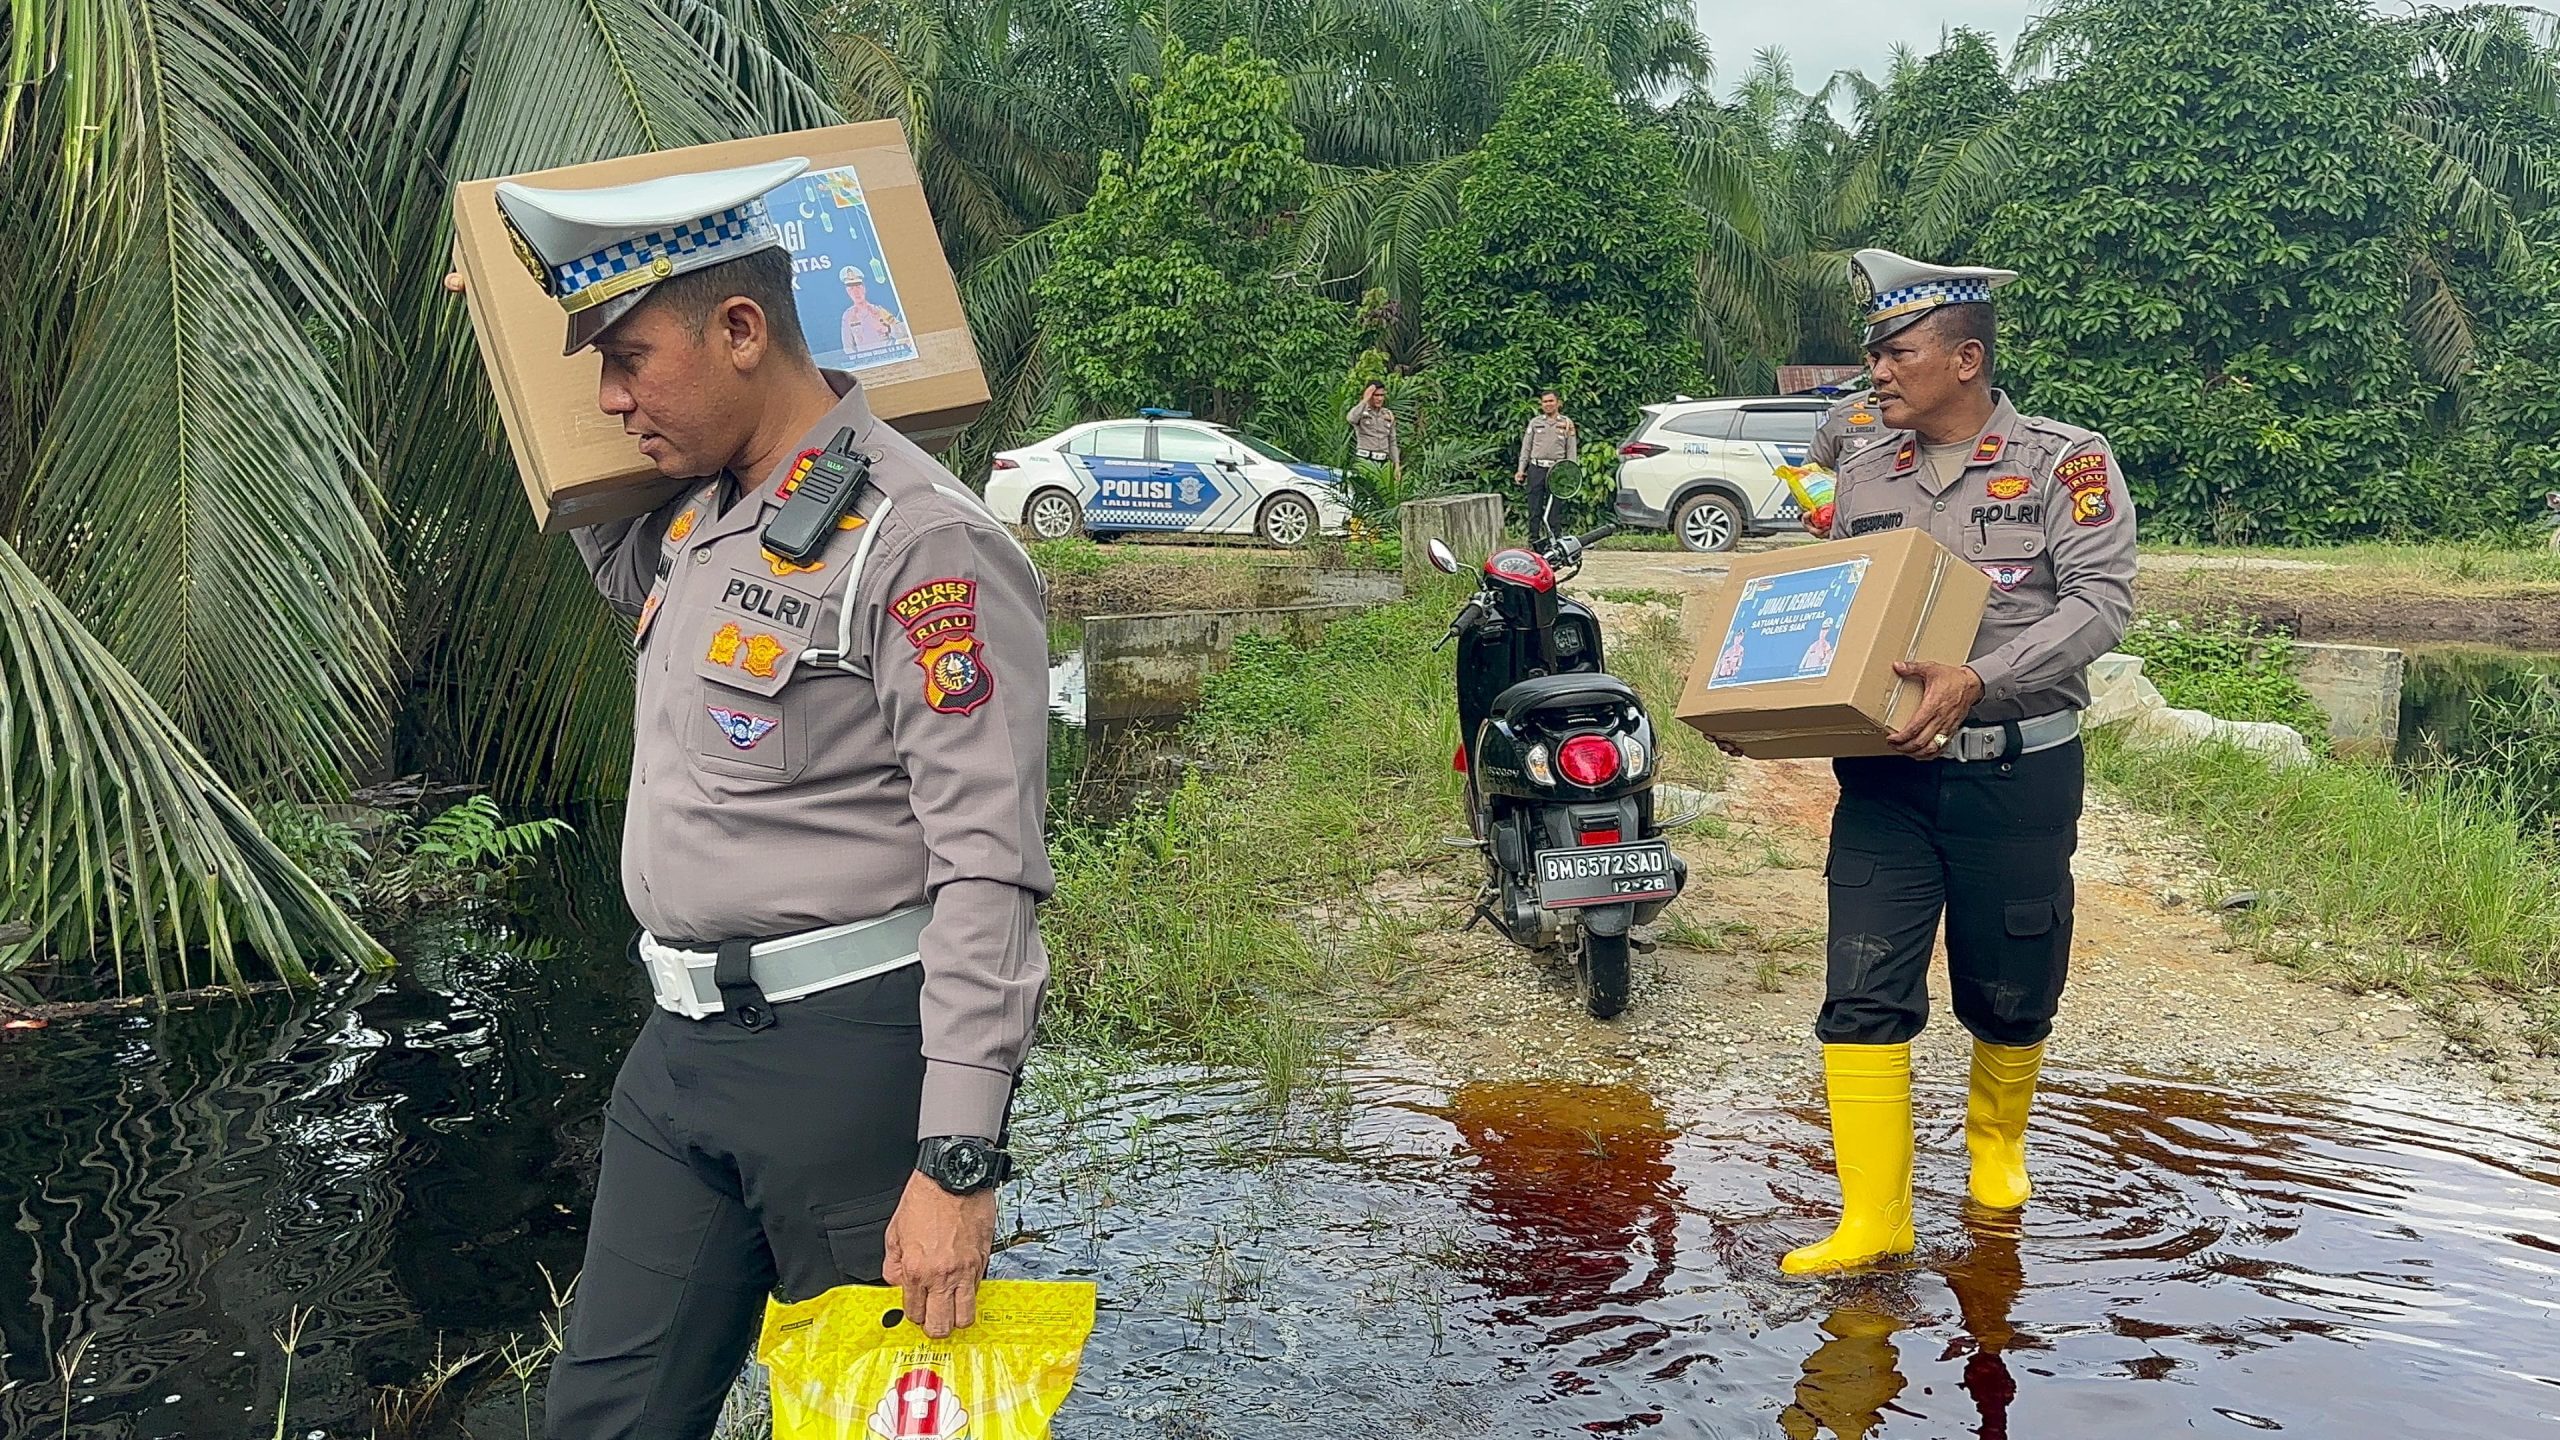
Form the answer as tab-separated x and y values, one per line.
1986	845
1542	504
738	1164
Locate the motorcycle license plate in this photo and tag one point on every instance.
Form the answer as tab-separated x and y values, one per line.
1604	874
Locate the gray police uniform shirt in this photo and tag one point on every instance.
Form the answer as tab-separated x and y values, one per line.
2040	508
1373	432
1549	440
823	743
1850	426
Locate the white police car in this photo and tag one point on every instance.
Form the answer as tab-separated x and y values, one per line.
1707	470
1164	472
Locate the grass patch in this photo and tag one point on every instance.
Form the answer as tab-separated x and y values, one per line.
2407	882
2227	666
1182	930
1641	540
2471	566
1639	595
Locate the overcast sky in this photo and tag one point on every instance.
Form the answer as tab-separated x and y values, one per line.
1827	35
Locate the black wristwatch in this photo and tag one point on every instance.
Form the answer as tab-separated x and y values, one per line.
963	1164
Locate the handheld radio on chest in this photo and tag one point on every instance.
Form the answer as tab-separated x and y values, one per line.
822	497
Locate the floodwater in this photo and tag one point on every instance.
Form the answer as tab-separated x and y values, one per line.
405	1166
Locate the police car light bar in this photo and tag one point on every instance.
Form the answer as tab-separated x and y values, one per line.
1153	412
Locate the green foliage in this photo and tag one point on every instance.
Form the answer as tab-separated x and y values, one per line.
465	853
2225	666
2404	884
1073	556
1572	265
1168	289
1917	128
2215	235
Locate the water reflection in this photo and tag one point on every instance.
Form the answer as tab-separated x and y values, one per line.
406	1162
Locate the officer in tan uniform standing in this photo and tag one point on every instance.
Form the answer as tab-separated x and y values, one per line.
834	834
1550	440
1975	821
1375	451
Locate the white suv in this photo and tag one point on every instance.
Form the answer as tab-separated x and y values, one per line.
1707	470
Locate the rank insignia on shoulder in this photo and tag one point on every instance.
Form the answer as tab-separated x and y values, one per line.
1906	457
2009	487
683	526
743	729
1989	450
799	468
956	677
782	567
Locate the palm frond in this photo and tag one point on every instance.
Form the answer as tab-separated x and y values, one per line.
2441	328
1955	182
122	840
200	494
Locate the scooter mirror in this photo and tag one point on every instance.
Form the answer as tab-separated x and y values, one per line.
1441	559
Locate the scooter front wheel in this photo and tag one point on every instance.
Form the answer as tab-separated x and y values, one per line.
1600	974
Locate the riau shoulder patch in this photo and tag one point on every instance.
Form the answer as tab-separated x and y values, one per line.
2085	477
956	677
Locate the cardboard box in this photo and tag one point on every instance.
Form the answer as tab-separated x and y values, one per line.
860	204
1795	656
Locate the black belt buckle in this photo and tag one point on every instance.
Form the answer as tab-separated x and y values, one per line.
740	997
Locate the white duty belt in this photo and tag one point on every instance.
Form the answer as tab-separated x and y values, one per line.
791	967
2008	741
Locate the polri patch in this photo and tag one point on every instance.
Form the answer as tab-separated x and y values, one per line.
743	729
2009	487
956	678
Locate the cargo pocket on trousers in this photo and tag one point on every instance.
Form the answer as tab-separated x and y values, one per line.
1850	869
2028	919
857	1234
1857	945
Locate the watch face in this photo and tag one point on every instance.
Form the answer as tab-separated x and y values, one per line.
964	1166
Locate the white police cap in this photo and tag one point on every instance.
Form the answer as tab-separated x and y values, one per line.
1896	290
598	251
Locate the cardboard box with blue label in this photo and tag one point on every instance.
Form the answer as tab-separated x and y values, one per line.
873	291
1795	655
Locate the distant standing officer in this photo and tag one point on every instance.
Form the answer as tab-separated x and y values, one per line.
1373	435
1550	440
1975	821
1847	427
834	834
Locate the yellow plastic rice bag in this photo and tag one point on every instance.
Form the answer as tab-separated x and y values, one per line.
1810	484
849	1365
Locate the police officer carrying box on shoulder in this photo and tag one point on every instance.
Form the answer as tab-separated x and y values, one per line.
1976	819
834	834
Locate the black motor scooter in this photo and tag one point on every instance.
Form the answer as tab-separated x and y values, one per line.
1560	762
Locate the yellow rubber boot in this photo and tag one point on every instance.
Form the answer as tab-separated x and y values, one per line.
1995	1122
1870	1089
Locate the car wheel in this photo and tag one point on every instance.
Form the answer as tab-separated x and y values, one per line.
1053	515
1707	523
1287	521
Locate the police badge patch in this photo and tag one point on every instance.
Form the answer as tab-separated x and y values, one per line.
2009	487
956	677
744	730
2008	577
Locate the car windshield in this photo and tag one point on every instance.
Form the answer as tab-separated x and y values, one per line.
1269	451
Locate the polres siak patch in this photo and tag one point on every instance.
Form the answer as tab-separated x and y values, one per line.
932	598
956	677
2009	577
2085	476
2009	487
743	729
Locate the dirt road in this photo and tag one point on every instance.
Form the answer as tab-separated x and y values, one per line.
1725	1006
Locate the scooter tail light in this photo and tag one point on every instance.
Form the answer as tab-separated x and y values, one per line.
1600	837
1588	760
1539	766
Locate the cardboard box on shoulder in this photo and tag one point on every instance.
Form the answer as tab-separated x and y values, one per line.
860	207
1795	656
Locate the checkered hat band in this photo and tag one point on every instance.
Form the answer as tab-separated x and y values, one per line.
750	221
1930	292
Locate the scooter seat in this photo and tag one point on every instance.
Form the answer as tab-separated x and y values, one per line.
1561	692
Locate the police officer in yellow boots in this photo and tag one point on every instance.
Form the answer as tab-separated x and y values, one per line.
1974	821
